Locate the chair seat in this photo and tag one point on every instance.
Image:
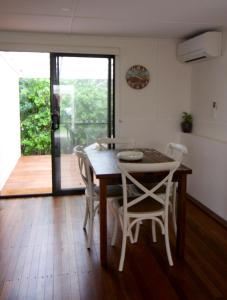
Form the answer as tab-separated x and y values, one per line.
117	191
148	205
150	185
112	190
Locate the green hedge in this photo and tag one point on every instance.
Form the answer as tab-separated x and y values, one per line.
35	116
86	104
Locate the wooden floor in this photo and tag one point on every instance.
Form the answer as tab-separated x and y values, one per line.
33	175
43	256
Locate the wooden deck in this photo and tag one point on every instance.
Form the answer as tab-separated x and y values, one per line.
32	175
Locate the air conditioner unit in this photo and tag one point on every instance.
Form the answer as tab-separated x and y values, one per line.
201	47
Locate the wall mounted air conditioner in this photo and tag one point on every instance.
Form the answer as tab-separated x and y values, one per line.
201	47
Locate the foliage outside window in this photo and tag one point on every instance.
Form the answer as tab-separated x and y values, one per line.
86	118
83	114
35	116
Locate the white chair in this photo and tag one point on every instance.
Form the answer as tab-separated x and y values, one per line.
118	142
91	192
176	152
148	205
126	143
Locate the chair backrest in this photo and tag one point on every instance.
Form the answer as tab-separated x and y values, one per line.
118	142
176	151
127	171
84	168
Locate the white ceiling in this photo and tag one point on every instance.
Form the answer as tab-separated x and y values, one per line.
151	18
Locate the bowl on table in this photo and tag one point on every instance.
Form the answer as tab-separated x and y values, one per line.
130	155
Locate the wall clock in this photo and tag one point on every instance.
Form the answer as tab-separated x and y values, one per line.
137	77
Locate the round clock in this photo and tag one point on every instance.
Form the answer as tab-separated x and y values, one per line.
137	77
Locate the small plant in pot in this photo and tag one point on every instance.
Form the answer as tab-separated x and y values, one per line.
186	124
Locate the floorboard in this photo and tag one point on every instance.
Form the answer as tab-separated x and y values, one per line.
43	255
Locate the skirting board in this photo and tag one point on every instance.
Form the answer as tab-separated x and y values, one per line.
207	211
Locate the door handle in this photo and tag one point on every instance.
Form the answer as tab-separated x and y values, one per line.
55	121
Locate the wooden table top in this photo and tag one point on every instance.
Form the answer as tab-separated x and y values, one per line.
104	162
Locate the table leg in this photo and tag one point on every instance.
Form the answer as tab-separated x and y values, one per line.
103	223
181	212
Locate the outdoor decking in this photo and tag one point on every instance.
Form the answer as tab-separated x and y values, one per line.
32	175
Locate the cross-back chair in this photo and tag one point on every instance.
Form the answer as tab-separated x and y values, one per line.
92	200
176	152
103	143
91	192
149	205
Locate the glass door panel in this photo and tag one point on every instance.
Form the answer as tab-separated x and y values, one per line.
82	110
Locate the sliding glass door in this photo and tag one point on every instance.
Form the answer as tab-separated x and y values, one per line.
82	107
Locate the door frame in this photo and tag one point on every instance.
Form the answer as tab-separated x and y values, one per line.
54	79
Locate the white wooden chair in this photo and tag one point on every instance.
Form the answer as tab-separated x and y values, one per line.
91	192
118	142
176	152
148	205
126	143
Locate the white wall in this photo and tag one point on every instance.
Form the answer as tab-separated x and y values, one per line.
209	83
150	115
208	160
9	120
208	143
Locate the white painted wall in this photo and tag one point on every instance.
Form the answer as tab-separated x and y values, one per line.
209	83
208	143
150	115
208	160
9	120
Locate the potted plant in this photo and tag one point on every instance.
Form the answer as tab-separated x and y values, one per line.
186	124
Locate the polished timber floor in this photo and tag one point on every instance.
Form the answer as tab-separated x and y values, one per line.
43	256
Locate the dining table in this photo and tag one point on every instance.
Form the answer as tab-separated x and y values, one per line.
104	166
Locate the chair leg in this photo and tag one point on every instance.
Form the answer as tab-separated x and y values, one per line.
168	251
130	235
154	237
174	209
85	217
90	229
114	236
123	249
137	231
